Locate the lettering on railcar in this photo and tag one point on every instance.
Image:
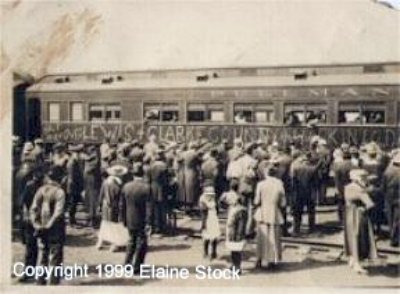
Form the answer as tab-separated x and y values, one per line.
95	132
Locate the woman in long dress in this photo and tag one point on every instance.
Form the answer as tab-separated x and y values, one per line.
269	202
110	229
210	224
359	240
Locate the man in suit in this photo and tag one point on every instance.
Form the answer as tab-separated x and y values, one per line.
304	183
341	171
74	185
209	169
158	184
27	192
136	214
391	190
47	217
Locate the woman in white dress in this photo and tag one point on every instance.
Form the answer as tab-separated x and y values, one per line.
210	224
110	229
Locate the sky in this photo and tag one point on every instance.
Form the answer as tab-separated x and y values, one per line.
40	37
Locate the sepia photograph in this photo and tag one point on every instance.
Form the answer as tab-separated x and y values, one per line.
200	144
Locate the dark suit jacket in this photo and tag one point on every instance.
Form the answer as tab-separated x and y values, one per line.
158	180
135	204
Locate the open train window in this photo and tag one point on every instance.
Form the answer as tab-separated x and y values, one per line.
76	111
363	113
164	112
54	111
104	112
253	113
213	112
302	114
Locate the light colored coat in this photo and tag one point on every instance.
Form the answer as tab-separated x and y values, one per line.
270	197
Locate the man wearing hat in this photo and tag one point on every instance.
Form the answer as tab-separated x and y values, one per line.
158	184
92	183
136	213
151	147
74	185
236	150
209	170
341	172
27	187
191	163
38	151
60	157
304	183
27	152
373	164
47	217
391	189
359	238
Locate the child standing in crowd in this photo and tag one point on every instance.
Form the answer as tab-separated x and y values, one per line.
230	197
236	230
210	225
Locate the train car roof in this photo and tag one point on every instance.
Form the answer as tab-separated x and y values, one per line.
210	82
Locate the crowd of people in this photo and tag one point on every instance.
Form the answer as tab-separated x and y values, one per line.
131	190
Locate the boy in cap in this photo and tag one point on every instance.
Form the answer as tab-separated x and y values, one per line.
47	217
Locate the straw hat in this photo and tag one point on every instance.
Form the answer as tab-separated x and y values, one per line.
75	148
117	170
396	159
371	149
209	190
28	147
357	174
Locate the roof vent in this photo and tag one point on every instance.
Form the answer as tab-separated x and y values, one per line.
300	76
107	80
61	80
203	78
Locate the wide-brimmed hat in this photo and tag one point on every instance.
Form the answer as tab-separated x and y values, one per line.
58	146
28	147
237	141
357	174
353	150
117	170
75	147
249	146
209	190
396	159
371	149
38	141
345	146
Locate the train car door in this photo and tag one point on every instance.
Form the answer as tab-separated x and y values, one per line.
34	127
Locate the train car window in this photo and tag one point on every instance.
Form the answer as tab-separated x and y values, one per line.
205	112
113	112
54	111
398	113
104	112
164	112
76	111
296	115
363	113
253	113
96	112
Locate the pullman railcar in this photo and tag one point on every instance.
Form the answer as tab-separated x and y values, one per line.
351	103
